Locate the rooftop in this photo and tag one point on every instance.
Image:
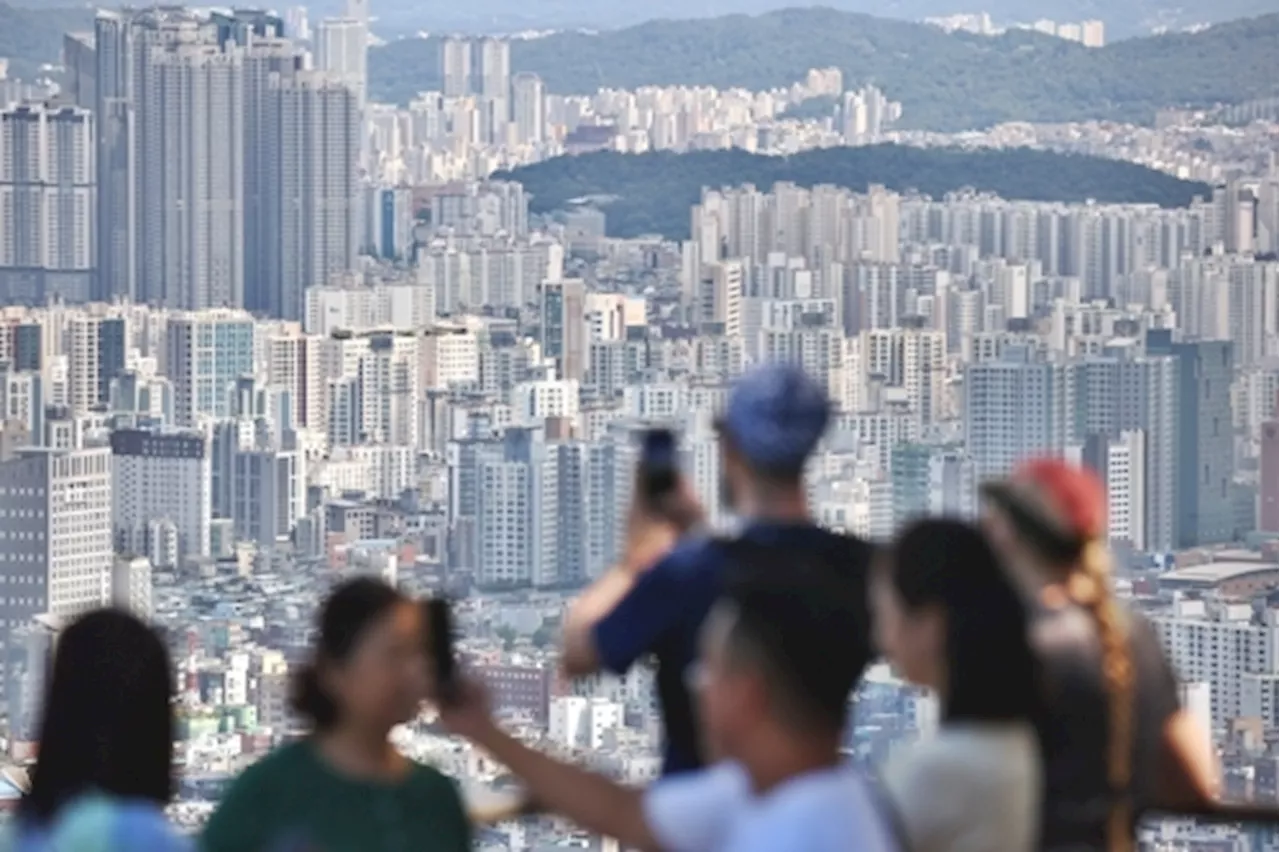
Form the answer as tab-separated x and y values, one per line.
1213	573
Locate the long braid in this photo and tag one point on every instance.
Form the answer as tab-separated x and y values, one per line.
1090	588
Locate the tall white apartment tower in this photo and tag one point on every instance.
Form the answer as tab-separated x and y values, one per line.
495	89
529	108
191	199
169	147
342	49
313	187
266	57
55	522
47	197
455	67
115	154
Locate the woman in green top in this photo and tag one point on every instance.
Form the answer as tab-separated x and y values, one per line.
345	788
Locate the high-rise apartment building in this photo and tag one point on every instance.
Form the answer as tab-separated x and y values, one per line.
230	126
268	59
116	51
494	89
48	192
170	158
564	326
529	108
313	134
912	358
268	493
191	199
455	67
162	489
205	354
931	479
1014	407
1205	463
56	527
342	47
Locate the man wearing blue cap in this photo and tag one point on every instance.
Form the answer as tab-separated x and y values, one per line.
655	601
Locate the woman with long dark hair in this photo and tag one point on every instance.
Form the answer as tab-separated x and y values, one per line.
105	768
345	788
949	618
1115	742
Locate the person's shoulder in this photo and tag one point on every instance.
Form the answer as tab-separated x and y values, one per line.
139	825
694	811
106	823
439	797
692	555
273	770
427	777
18	836
431	784
833	811
962	747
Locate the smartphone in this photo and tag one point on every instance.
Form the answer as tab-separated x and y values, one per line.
659	464
440	647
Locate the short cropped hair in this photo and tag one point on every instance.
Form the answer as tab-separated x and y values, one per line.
802	628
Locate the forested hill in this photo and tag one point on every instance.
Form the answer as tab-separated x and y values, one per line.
945	81
652	193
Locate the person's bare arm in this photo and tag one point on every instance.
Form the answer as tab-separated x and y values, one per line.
593	801
1187	783
649	538
579	655
644	548
1187	776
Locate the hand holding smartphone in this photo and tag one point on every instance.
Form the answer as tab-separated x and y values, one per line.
659	465
440	649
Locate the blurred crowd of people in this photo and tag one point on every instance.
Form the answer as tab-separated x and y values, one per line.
1059	729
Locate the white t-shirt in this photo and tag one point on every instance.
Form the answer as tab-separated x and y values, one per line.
969	788
716	811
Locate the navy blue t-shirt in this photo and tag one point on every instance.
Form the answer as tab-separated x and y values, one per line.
664	611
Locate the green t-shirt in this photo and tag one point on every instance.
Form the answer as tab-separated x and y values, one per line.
292	801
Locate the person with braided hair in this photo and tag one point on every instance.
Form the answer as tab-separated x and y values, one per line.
1114	740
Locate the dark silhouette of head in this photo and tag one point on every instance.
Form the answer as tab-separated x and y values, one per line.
370	664
108	718
947	611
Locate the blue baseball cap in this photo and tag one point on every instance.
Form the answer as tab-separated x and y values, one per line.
775	417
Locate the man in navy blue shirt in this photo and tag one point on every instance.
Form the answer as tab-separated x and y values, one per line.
655	601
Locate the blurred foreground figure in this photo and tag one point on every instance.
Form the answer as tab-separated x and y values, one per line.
1115	741
779	657
656	600
105	767
345	788
949	618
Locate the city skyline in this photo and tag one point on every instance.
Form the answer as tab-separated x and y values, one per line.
260	332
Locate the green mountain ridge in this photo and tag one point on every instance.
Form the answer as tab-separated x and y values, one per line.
652	193
945	81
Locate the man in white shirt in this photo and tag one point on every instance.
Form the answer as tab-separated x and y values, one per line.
776	668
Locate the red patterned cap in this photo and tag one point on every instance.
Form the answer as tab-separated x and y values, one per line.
1074	496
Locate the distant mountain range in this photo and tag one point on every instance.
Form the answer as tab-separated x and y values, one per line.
945	81
652	193
32	36
400	17
1123	20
